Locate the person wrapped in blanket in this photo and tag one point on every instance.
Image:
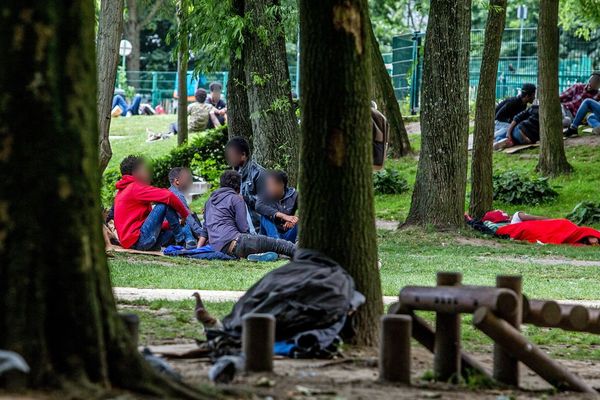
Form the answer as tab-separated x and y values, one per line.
535	229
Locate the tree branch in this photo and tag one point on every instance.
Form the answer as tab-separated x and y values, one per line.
152	13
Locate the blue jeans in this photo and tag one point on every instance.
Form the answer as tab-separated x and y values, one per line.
134	108
500	130
588	106
151	234
517	135
268	228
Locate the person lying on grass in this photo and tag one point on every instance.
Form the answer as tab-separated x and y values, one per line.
277	208
139	225
226	224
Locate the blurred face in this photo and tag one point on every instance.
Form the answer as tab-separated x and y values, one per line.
592	241
184	182
528	98
594	82
234	158
275	189
215	95
142	174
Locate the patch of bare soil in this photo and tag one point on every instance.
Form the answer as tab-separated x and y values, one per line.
413	127
475	241
546	261
587	140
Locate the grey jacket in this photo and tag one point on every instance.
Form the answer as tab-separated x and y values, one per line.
253	182
268	207
191	220
224	218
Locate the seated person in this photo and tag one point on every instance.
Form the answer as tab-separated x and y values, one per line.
121	107
509	108
139	225
591	107
181	182
219	105
572	98
226	223
277	208
524	129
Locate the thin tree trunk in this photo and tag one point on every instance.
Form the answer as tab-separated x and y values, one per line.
275	130
553	160
110	26
439	193
482	192
56	304
336	165
384	96
132	30
182	66
238	111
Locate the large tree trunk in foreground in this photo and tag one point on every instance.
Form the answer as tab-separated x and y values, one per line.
384	96
439	194
182	66
275	130
56	304
110	26
338	216
238	111
482	191
553	160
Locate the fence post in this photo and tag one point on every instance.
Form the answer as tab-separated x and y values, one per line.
258	338
155	92
446	358
394	348
506	367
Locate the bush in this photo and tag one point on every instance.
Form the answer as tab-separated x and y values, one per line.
389	181
515	188
586	212
108	189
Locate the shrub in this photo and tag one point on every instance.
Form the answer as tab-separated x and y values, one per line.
389	181
586	212
515	188
108	189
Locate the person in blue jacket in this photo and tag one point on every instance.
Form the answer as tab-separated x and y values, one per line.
277	208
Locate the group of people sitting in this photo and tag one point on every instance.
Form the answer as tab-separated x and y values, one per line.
518	124
250	199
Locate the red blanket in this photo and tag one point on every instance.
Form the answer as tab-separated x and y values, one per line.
551	231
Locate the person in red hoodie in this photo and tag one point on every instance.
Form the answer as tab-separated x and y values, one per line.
139	225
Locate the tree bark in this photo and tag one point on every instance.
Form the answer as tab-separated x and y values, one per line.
133	31
439	194
336	165
384	96
238	111
110	27
553	160
182	66
275	130
482	192
56	304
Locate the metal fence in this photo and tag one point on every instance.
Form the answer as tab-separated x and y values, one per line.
517	65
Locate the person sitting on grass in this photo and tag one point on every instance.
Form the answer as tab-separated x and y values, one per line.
121	107
181	180
277	208
139	225
591	107
572	98
524	129
226	224
507	109
237	154
218	104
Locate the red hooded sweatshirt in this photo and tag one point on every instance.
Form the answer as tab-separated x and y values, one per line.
133	203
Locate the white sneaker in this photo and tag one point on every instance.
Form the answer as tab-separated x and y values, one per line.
501	144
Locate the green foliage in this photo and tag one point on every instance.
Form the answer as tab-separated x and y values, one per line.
207	168
585	213
108	189
514	188
122	82
209	146
389	181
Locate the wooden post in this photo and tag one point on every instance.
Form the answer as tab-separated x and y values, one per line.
541	312
446	357
258	338
518	346
506	367
394	348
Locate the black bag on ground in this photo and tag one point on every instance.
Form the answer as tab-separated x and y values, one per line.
311	292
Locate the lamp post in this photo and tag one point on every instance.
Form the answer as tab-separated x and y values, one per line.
125	48
522	16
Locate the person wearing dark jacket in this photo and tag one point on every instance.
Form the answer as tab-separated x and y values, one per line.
277	208
524	129
225	221
237	153
509	108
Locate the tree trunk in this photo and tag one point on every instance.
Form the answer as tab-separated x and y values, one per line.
182	66
275	130
238	111
133	30
110	26
56	304
338	216
482	192
439	194
384	96
553	160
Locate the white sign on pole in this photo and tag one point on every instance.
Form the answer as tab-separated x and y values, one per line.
522	12
125	48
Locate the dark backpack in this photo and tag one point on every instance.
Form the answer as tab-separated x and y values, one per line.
381	136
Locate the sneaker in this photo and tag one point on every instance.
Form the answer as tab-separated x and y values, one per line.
191	245
571	132
263	257
596	131
502	144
